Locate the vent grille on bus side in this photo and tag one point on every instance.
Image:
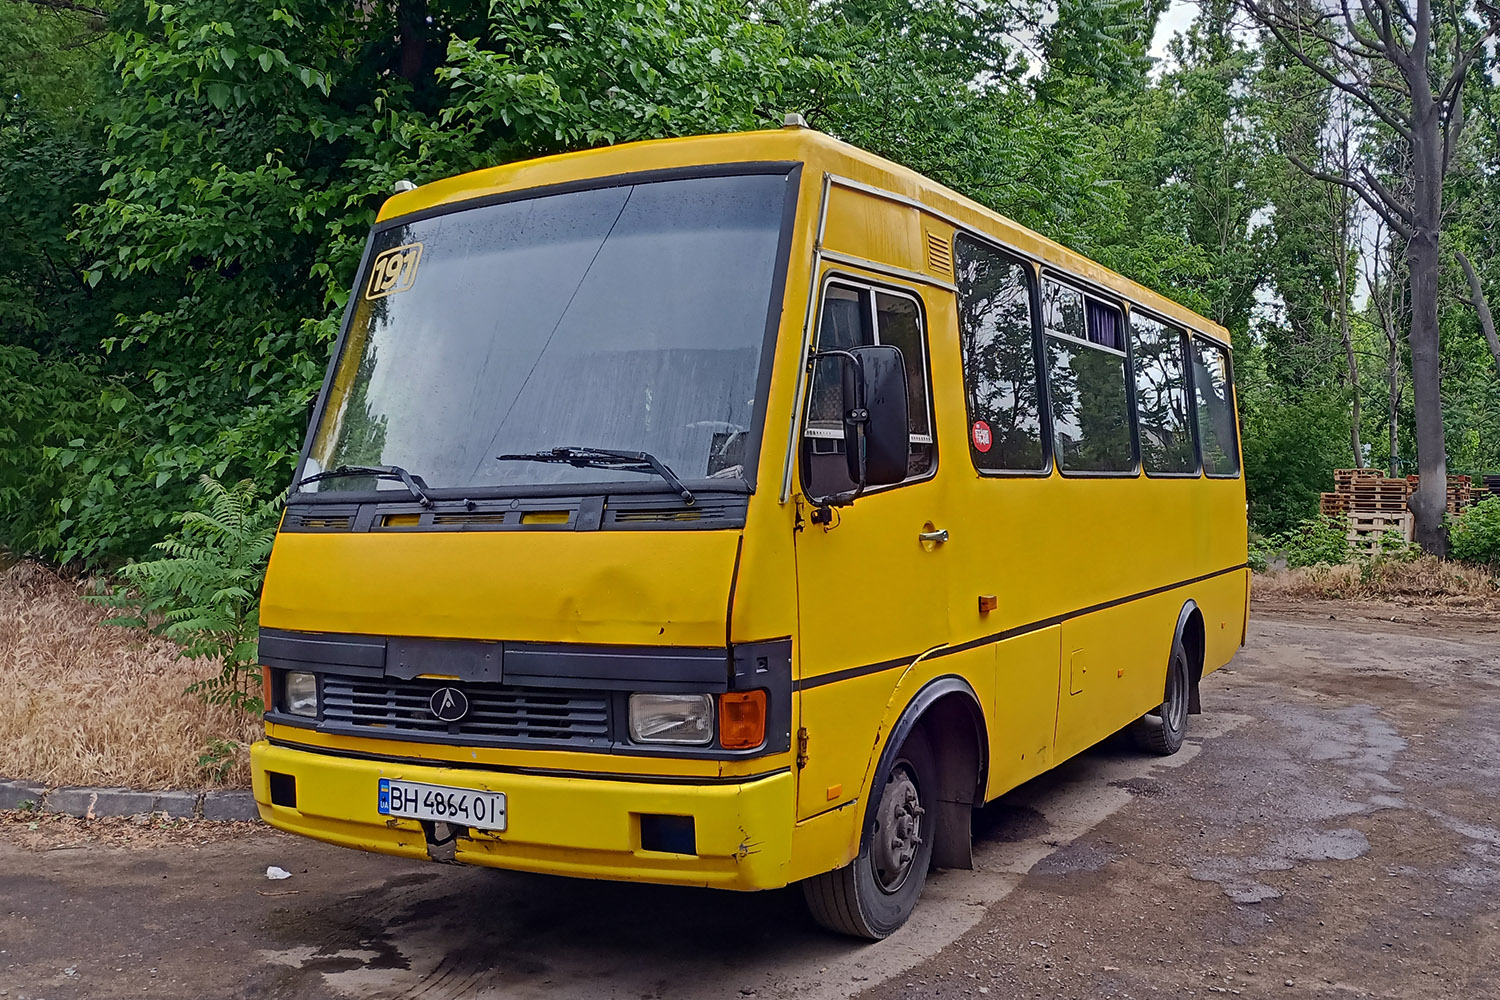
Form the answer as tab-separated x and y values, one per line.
664	514
707	511
939	254
495	517
391	708
318	522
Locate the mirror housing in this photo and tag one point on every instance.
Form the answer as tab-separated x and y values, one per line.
881	391
876	435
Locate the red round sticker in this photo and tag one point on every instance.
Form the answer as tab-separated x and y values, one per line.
980	432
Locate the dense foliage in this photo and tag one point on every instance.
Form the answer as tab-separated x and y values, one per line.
185	189
1476	534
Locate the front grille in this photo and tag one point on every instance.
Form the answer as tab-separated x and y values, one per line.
497	714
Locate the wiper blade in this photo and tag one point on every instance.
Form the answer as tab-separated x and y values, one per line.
604	458
413	483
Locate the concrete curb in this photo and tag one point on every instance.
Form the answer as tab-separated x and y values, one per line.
95	803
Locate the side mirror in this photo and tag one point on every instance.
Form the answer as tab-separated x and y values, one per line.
873	413
881	390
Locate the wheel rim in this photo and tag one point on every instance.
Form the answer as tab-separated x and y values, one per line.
1174	709
898	829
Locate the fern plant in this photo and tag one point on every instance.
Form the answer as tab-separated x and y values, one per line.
203	592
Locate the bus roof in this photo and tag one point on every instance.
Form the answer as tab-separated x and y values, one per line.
818	151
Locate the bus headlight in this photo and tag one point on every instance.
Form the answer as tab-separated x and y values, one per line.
301	694
672	718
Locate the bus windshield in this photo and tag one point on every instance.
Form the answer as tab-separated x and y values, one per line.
629	317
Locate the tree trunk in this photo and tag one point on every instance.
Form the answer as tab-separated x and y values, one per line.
1393	377
1430	500
1481	305
1343	262
1340	197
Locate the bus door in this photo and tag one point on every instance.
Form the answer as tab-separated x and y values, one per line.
871	587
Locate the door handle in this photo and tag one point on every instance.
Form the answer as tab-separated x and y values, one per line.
939	536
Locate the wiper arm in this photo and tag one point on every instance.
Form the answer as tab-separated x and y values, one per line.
604	458
411	482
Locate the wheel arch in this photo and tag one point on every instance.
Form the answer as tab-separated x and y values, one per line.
1194	639
950	714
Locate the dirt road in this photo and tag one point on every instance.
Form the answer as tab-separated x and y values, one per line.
1332	829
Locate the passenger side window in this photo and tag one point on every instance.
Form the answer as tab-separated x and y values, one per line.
851	316
998	340
1159	355
1214	387
1086	380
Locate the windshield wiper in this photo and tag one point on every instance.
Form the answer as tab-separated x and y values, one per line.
604	458
411	482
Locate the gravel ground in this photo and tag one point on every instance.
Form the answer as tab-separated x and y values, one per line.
1332	829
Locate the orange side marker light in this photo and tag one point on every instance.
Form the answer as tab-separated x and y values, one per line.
742	719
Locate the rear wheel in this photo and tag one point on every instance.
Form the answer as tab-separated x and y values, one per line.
1162	731
874	894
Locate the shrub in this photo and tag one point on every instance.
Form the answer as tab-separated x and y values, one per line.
1474	536
1316	541
204	592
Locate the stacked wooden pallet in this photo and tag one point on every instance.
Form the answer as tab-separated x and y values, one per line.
1368	532
1341	500
1333	504
1370	491
1372	503
1460	492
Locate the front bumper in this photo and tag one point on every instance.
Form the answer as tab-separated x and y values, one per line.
561	825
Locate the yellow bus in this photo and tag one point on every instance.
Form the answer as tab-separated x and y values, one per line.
737	511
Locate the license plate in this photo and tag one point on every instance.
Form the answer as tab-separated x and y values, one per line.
464	806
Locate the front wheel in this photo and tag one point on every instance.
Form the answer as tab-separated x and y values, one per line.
1161	731
872	896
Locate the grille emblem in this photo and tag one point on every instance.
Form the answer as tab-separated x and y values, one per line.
449	704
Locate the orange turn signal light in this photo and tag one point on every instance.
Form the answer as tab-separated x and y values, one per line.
265	686
742	719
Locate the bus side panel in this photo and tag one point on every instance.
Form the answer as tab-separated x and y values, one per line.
1222	601
874	228
1024	724
843	766
840	720
1113	668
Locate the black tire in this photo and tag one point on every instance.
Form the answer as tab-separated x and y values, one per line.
1161	732
872	896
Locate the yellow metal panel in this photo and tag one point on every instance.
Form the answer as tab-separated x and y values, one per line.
1024	717
663	588
1223	602
843	723
878	230
825	842
1125	649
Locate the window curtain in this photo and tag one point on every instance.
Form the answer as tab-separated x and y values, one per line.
1105	327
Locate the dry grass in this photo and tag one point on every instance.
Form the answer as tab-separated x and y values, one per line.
1425	581
84	703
